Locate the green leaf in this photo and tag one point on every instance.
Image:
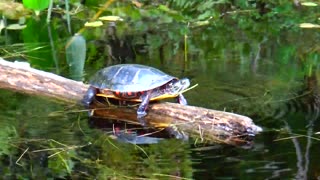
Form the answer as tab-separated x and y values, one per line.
164	8
35	35
76	56
205	15
155	41
36	4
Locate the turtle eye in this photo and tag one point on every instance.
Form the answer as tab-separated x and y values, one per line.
171	85
185	82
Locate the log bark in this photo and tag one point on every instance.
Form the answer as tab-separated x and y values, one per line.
205	124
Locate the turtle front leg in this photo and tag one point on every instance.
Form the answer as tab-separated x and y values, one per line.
89	96
141	112
182	100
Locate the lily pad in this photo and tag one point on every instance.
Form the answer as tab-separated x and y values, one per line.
93	24
309	25
309	4
16	26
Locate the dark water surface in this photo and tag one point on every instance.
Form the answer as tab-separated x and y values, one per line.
270	77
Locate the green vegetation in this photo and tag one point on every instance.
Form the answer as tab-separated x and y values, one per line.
248	56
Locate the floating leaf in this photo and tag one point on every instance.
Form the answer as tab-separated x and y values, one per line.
309	4
111	18
36	4
200	23
93	24
309	25
16	26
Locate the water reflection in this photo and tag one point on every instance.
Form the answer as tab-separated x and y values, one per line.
129	133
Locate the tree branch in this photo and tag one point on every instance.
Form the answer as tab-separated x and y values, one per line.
206	124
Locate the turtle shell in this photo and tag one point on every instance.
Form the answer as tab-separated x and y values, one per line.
129	78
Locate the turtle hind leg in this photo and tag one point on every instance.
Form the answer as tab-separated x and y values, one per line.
142	109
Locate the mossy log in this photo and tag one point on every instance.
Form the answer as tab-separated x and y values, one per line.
205	124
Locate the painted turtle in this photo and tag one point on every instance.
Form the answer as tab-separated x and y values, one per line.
133	82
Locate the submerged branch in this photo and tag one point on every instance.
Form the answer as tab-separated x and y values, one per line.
206	124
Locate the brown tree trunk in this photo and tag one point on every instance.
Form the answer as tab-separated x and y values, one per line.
205	124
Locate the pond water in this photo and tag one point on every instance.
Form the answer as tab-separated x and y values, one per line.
268	75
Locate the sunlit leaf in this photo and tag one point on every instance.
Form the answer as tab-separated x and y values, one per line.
164	8
36	4
37	12
16	26
111	18
309	4
200	23
93	24
309	25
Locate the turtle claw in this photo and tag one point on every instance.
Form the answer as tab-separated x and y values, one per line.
182	100
90	113
141	118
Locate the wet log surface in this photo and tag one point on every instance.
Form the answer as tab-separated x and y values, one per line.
204	124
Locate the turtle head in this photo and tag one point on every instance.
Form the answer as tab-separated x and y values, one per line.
178	85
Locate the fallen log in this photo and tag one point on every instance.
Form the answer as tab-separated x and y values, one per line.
205	124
